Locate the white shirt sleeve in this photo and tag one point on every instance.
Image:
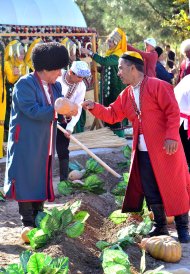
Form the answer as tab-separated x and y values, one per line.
79	99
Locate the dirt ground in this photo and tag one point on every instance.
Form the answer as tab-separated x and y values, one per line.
83	255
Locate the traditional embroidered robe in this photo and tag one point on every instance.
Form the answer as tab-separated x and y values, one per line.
28	160
160	121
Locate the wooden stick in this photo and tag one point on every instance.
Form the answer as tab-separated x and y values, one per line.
91	153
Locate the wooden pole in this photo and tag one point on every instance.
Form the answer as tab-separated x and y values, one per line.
97	123
91	153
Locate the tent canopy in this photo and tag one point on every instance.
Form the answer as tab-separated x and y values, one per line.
41	13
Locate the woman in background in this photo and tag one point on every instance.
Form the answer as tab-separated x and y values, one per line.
110	83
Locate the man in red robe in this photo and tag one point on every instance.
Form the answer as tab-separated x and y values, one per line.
158	171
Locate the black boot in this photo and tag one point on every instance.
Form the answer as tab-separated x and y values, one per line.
64	169
160	222
182	222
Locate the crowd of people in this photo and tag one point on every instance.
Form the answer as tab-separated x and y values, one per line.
135	85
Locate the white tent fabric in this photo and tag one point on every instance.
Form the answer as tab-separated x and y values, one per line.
41	13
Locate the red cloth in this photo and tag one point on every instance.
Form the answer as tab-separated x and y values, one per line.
150	60
183	115
160	121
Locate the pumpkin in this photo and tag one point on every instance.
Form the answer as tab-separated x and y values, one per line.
65	107
163	248
24	232
76	174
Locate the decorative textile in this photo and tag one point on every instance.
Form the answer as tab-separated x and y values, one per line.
160	121
121	44
27	58
110	85
71	87
68	43
81	69
8	49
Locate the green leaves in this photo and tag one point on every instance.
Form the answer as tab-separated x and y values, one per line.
37	262
14	269
2	197
38	238
65	188
93	184
102	244
117	217
24	258
66	219
75	230
127	152
93	167
115	262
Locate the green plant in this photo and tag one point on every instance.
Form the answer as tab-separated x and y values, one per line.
115	262
55	221
127	155
120	188
38	263
2	197
92	183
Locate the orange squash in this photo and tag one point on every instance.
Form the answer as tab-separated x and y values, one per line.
163	248
65	107
24	232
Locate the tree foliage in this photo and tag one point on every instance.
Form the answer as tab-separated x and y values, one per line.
166	20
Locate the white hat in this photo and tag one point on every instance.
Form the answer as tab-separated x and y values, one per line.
150	41
80	68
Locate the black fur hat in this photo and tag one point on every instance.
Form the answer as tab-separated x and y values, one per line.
49	56
159	50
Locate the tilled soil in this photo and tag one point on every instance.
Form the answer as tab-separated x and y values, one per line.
84	256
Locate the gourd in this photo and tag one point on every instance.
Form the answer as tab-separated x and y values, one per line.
76	174
163	248
24	232
65	107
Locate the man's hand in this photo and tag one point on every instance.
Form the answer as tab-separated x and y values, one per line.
85	51
67	135
170	146
88	104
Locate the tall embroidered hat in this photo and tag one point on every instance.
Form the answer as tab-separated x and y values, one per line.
80	68
133	56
